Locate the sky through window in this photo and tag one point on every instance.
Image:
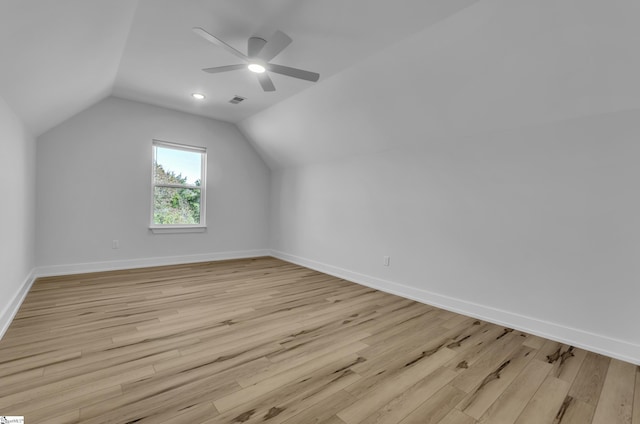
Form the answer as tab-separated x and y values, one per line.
181	162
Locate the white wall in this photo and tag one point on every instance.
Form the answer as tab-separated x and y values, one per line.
538	228
489	156
93	186
17	211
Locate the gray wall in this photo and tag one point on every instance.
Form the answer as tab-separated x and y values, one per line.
493	156
528	227
94	179
17	211
541	222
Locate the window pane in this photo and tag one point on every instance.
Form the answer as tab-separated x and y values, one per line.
177	166
176	205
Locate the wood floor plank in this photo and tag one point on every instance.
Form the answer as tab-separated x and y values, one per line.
481	397
261	340
189	414
436	407
454	321
474	347
60	405
590	378
390	358
66	418
152	408
379	394
535	342
289	400
546	402
274	369
501	355
507	408
615	405
158	392
456	417
566	360
73	387
636	399
406	402
323	411
573	411
299	372
332	420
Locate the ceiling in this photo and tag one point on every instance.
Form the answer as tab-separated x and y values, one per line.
496	65
60	57
392	72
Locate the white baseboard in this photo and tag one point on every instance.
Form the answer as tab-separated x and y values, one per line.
10	311
81	268
598	343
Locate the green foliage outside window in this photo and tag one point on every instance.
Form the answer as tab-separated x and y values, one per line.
173	205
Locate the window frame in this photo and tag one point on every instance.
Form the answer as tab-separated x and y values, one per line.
179	228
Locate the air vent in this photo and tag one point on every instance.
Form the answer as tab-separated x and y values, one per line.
236	100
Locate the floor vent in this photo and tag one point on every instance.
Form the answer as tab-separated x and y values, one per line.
236	100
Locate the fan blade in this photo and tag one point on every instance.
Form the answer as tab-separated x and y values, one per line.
278	42
212	39
255	45
293	72
227	68
265	82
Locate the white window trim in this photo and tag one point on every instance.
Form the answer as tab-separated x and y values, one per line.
177	229
180	228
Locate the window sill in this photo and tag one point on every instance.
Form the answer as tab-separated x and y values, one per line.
177	229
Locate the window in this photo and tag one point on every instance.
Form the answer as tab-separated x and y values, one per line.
178	187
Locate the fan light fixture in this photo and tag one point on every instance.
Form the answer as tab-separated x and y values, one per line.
258	57
198	96
254	67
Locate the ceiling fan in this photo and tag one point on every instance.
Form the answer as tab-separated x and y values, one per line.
259	53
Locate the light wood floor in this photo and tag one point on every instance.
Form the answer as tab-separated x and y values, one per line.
253	341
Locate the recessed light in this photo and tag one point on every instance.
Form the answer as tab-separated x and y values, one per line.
254	67
198	96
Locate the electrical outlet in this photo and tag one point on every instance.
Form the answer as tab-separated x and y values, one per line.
115	244
385	260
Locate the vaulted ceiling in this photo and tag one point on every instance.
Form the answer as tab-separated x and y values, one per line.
391	71
496	65
61	56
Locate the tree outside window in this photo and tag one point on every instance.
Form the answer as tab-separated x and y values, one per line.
178	185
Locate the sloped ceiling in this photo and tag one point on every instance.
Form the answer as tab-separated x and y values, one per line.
61	56
497	64
391	72
163	60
